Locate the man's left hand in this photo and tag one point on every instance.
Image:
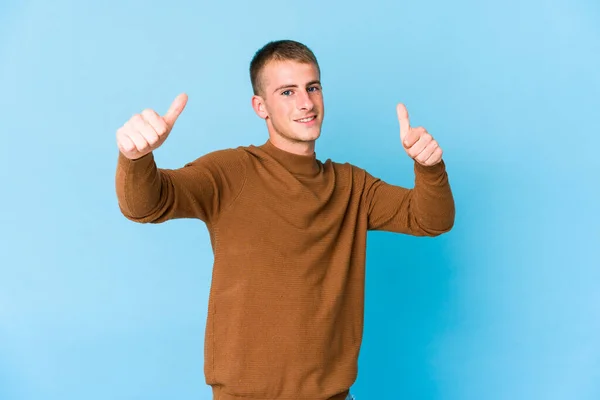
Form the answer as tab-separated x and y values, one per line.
417	142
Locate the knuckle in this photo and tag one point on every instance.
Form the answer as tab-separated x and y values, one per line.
121	134
124	134
152	140
124	146
161	129
148	114
143	146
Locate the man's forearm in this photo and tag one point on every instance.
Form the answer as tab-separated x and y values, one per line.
432	200
138	187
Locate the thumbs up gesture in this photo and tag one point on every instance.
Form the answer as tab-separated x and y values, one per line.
417	142
147	131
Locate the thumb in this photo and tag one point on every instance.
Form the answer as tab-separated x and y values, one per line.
175	110
403	120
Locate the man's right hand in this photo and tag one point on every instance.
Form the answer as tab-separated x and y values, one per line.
147	131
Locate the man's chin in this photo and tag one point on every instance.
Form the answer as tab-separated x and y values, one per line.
309	136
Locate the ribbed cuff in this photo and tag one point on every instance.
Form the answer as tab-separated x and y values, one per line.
139	164
432	171
219	394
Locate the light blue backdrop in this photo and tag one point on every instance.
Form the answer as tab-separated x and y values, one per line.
506	306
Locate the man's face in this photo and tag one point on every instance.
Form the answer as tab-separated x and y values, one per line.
291	101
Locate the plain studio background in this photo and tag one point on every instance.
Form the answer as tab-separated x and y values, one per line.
506	306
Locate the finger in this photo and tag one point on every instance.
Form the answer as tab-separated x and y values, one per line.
155	121
141	144
175	110
421	145
435	158
125	144
144	128
413	138
424	155
403	120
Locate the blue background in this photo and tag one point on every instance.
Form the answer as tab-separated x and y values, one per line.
505	306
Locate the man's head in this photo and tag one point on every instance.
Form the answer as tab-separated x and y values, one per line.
285	78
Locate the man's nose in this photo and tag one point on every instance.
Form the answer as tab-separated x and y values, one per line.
304	102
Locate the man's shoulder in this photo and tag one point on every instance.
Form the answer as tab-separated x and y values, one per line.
223	155
345	166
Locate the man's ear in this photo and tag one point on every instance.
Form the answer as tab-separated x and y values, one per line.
258	104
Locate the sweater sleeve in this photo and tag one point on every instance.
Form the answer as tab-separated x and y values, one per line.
425	210
201	189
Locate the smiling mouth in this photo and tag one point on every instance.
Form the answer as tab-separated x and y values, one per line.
307	119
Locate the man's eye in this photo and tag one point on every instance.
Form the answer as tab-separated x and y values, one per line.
313	89
286	93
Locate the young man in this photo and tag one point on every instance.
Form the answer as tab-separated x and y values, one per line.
285	311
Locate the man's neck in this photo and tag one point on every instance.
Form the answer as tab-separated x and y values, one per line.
294	147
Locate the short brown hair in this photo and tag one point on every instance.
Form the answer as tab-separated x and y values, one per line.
279	50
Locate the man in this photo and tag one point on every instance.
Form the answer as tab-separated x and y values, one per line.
285	311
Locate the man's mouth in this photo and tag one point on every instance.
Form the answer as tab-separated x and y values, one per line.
307	119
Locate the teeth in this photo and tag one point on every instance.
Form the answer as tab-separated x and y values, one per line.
306	119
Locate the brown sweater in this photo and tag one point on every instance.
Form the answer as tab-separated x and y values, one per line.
288	232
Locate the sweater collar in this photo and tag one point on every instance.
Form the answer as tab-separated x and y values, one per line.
294	163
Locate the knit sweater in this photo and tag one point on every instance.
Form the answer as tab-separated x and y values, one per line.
288	233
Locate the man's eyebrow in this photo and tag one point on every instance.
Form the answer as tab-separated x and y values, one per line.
316	81
285	87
